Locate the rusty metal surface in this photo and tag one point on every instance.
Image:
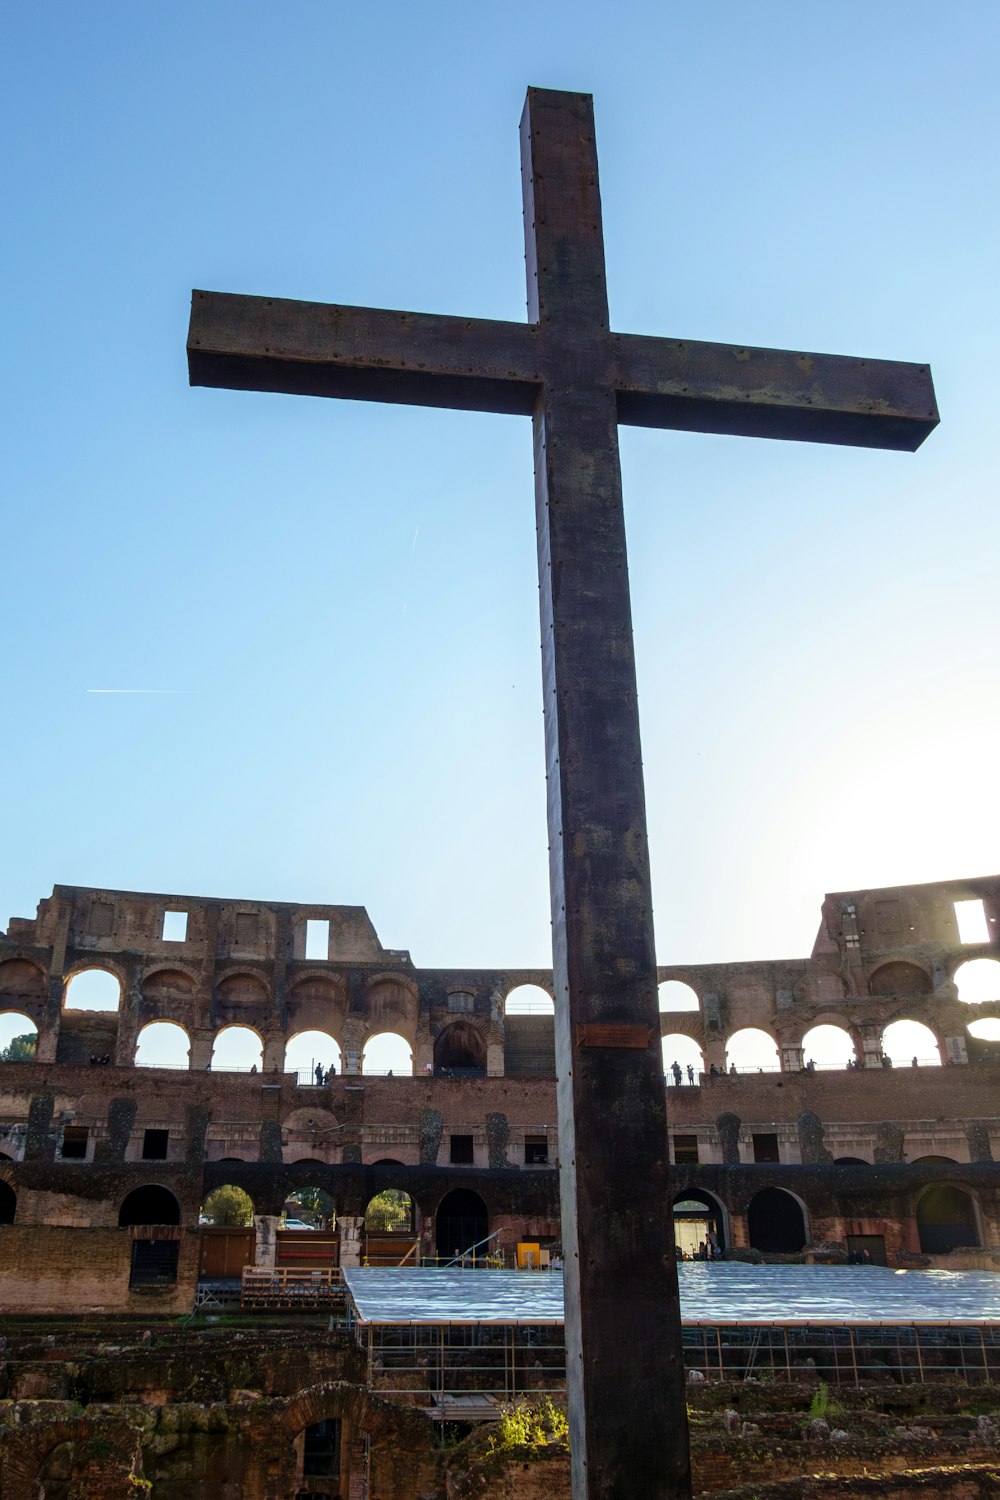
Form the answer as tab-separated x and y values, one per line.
578	381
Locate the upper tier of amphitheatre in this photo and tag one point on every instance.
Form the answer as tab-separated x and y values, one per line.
879	955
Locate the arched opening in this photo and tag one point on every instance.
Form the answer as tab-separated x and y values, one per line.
389	1212
751	1050
904	1041
699	1226
154	1258
673	994
900	978
18	1037
828	1046
309	1208
387	1054
461	1222
227	1207
934	1161
946	1220
317	1460
151	1204
92	989
978	980
682	1058
528	1000
314	1056
237	1049
775	1222
460	1052
162	1044
8	1203
987	1030
850	1161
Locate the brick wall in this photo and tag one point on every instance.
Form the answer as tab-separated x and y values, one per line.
48	1269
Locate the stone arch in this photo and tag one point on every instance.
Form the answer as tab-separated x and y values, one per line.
150	1204
392	1003
777	1221
850	1161
237	1054
390	1210
460	1050
365	1411
305	1050
166	1044
829	1045
978	981
240	997
683	1050
317	1002
8	1202
714	1220
239	1218
461	1221
15	1026
168	994
899	977
904	1038
947	1219
93	987
387	1052
528	1000
675	994
20	979
755	1049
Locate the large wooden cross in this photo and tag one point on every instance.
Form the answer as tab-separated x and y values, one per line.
577	381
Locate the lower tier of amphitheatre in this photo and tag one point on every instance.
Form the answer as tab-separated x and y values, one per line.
283	1412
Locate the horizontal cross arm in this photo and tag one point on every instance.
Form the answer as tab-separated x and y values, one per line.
775	393
361	353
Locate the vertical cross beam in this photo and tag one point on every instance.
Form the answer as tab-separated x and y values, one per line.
621	1275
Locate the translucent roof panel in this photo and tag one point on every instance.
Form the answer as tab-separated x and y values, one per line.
726	1291
406	1294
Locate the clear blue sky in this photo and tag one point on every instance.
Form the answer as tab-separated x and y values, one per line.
337	603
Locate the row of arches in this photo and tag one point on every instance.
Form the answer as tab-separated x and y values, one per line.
777	1219
460	1049
752	1050
977	981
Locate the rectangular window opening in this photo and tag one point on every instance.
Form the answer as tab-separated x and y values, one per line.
461	1151
154	1145
972	924
175	926
154	1262
686	1150
317	939
74	1142
536	1151
765	1148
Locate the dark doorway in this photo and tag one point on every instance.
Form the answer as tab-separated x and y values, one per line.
867	1248
946	1220
776	1222
149	1205
461	1222
8	1203
321	1458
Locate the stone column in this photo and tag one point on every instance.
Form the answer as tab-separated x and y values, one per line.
494	1060
351	1229
274	1052
266	1226
792	1058
201	1050
871	1042
48	1040
715	1052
